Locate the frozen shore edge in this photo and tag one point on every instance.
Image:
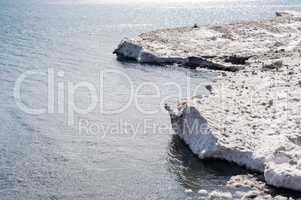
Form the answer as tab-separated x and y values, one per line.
253	113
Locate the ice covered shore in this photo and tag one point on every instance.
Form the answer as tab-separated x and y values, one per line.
253	114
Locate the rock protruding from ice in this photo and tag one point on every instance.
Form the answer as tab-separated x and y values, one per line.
288	13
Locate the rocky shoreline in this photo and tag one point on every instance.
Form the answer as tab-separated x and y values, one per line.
253	114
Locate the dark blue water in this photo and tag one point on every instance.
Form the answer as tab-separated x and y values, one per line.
100	154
